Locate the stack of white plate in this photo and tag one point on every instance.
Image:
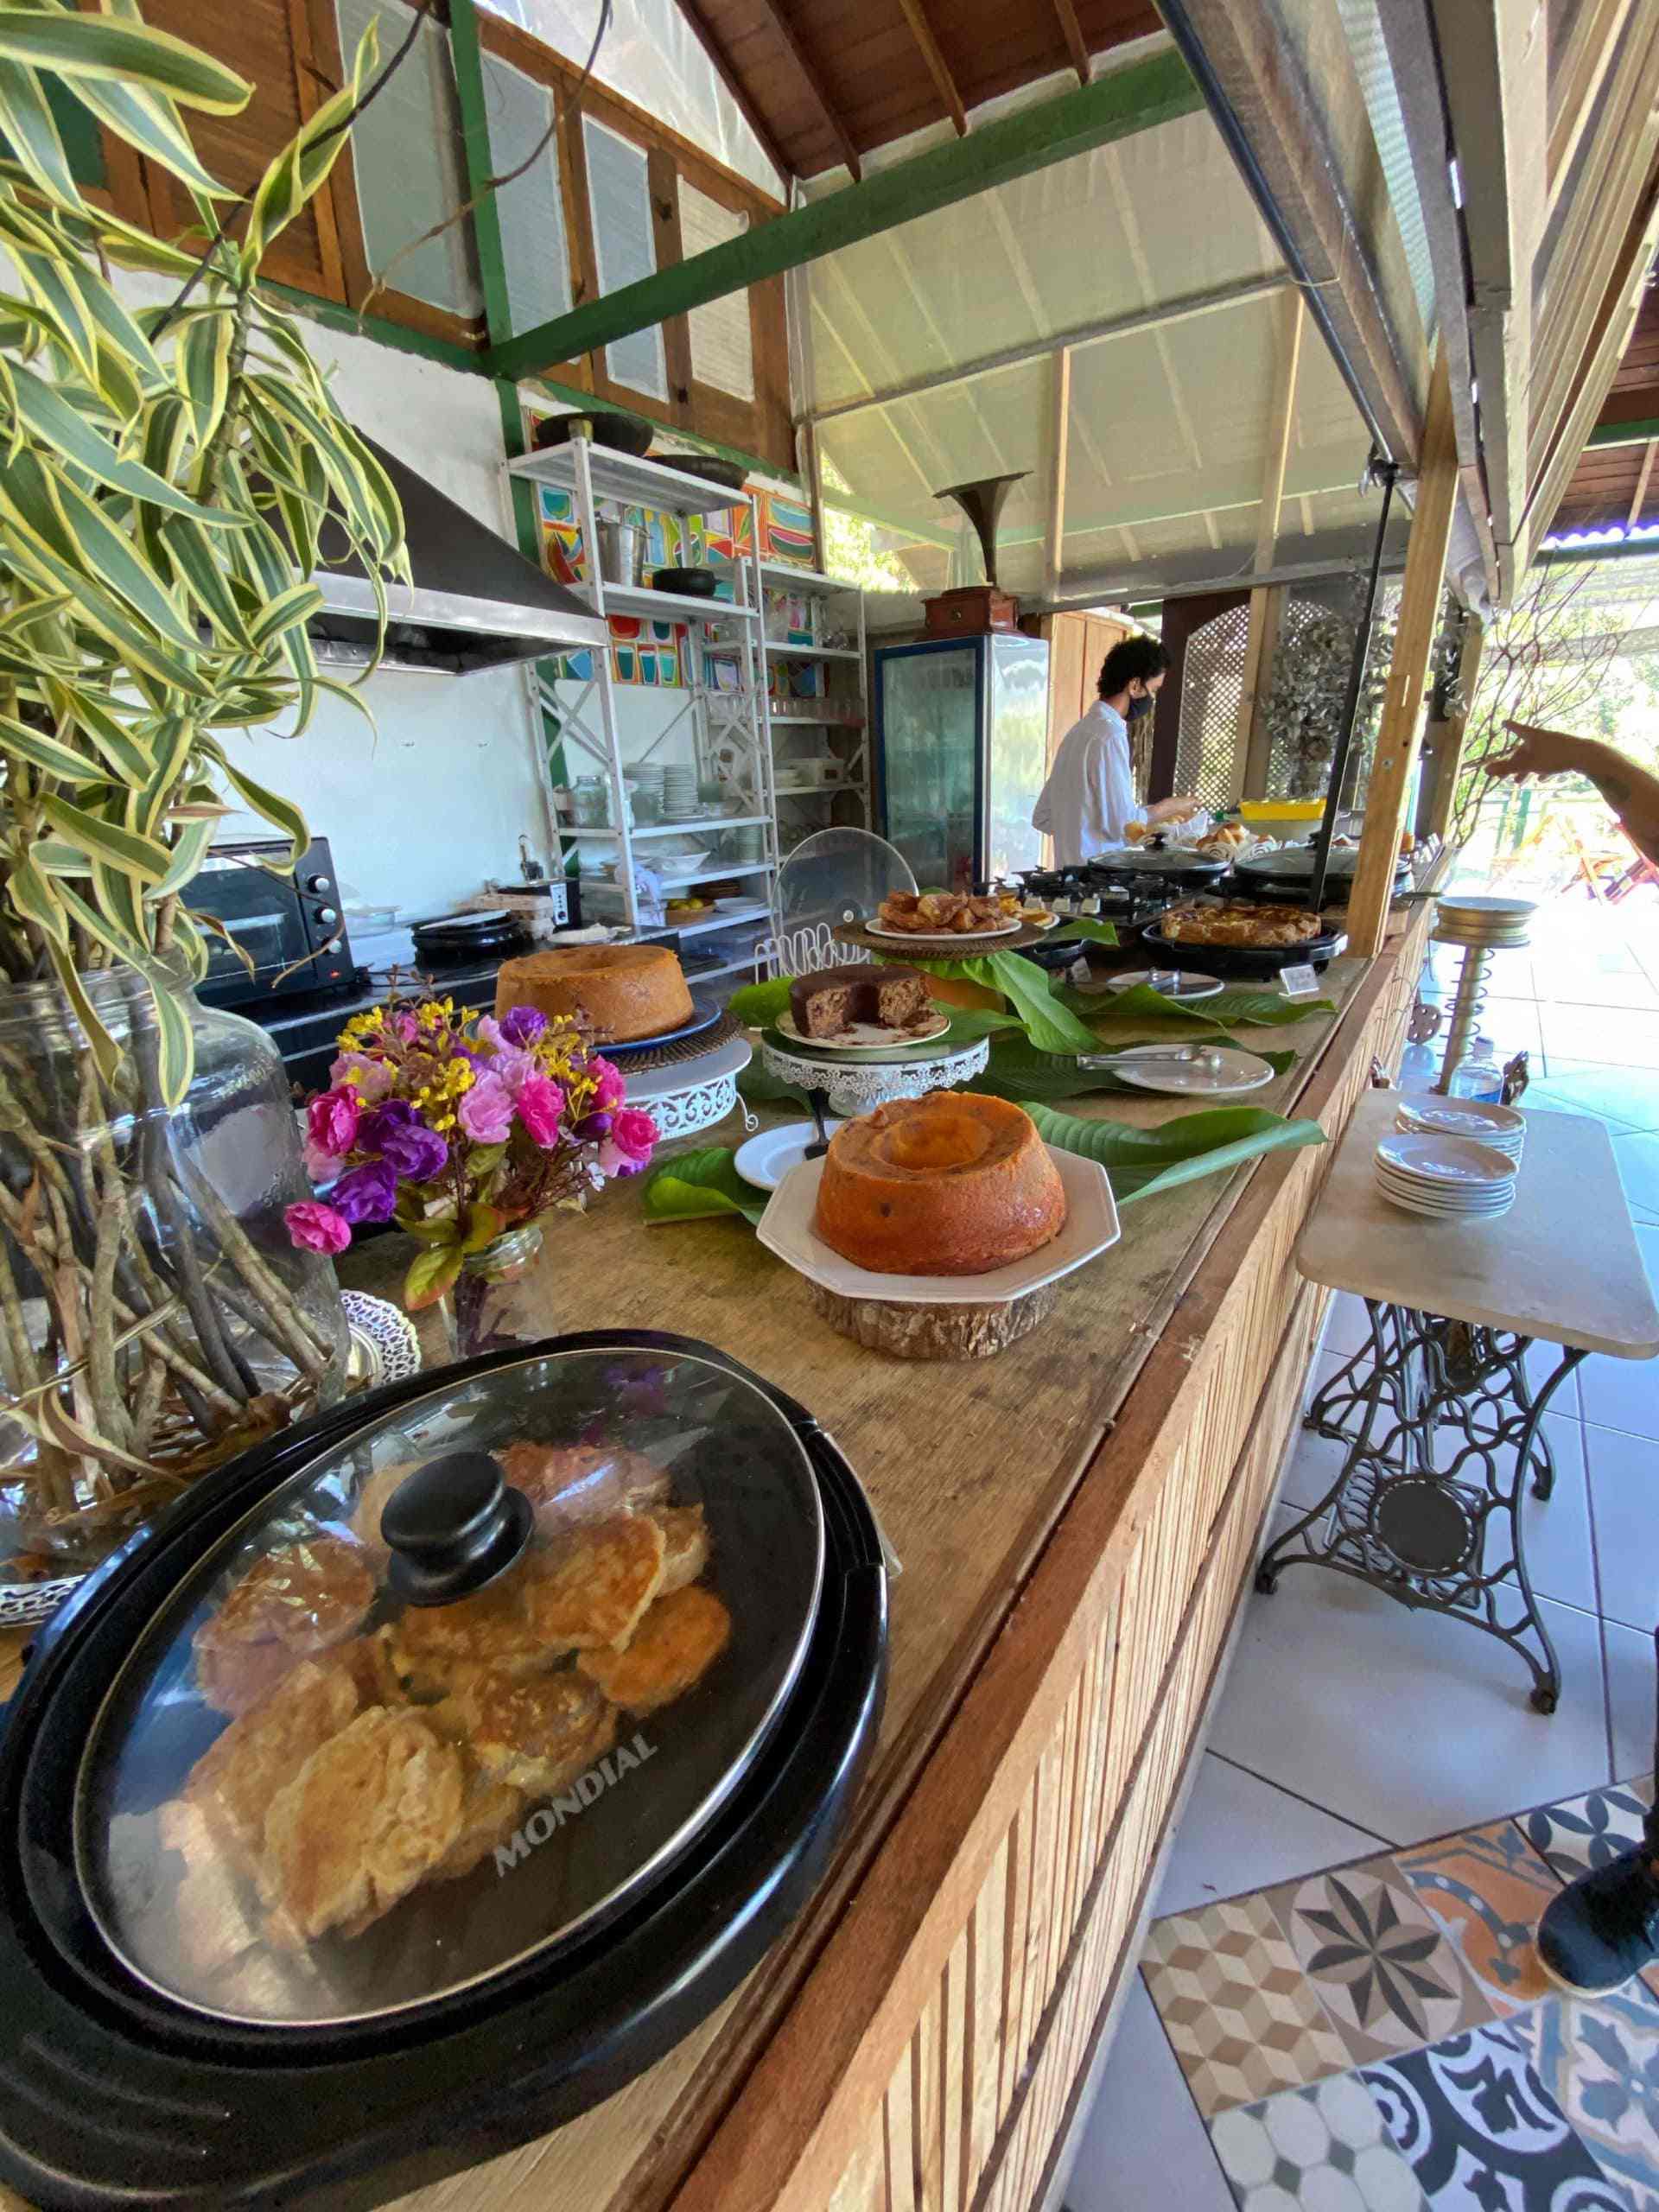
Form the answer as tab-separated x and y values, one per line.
1501	1127
680	791
1480	920
1446	1178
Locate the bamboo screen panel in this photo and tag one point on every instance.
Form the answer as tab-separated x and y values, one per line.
1212	697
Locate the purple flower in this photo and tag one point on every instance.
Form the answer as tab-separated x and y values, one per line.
487	1111
414	1153
513	1068
374	1129
365	1193
317	1228
523	1025
591	1127
613	1161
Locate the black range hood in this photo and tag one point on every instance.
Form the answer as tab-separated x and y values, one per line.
476	602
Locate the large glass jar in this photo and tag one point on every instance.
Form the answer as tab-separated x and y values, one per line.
155	1319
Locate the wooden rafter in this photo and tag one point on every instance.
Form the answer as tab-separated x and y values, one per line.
691	9
807	69
938	67
1637	503
1076	44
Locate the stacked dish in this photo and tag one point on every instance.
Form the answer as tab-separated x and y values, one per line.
1444	1177
1500	1127
1483	921
680	791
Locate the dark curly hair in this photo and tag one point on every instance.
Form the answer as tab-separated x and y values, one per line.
1131	660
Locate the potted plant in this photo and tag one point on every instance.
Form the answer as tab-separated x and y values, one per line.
165	472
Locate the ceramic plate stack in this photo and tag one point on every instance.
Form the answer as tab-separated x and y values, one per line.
680	791
1445	1178
1500	1127
1497	924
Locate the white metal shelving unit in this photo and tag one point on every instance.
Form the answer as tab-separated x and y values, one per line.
735	719
805	812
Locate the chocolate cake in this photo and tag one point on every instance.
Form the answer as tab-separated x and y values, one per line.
833	999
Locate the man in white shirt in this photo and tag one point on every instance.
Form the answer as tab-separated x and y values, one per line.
1088	803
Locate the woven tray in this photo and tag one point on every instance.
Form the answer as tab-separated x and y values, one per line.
673	1056
960	948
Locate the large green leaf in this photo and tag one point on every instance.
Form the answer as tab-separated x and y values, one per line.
1143	1012
116	847
121	51
1050	1024
697	1185
1142	1162
1018	1071
31	131
44	411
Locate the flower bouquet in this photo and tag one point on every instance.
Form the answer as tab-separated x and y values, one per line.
467	1133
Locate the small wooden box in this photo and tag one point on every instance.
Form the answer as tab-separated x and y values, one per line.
974	608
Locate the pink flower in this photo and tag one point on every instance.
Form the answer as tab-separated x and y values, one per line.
331	1122
486	1110
316	1228
634	1132
613	1161
513	1068
540	1104
489	1030
369	1077
611	1090
320	1167
403	1025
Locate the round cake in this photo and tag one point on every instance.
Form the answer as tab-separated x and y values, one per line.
948	1185
624	991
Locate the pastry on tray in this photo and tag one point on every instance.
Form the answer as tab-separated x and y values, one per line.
936	913
1241	923
951	1184
672	1649
292	1604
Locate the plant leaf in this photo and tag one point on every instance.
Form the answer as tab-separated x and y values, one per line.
698	1185
1140	1161
121	51
759	1005
431	1272
124	849
281	813
49	753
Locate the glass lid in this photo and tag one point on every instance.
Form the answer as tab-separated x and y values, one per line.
455	1691
1153	860
1297	861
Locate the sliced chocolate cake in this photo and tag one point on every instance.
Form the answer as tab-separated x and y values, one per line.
833	999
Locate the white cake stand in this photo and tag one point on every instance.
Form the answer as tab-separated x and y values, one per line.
854	1087
693	1094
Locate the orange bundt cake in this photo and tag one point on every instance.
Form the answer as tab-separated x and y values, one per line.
948	1185
626	991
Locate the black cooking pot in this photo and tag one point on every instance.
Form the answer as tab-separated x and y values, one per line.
690	583
1261	962
466	937
612	426
163	2042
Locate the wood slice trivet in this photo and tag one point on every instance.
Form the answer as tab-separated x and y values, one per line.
934	1331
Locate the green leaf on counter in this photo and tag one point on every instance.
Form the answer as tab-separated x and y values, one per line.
758	1005
696	1186
1141	1161
1049	1023
1131	1016
1018	1071
1084	925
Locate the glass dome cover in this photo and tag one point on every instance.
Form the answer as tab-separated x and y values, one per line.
454	1692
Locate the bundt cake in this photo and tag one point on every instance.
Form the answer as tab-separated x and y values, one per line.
948	1185
626	991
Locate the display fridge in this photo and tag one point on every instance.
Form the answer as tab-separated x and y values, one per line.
961	751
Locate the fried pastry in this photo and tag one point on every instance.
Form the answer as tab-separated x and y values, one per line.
685	1536
366	1817
593	1590
570	1484
1241	923
437	1649
674	1646
232	1784
213	1920
489	1813
536	1735
940	912
290	1605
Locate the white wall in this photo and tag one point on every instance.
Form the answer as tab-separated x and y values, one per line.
421	814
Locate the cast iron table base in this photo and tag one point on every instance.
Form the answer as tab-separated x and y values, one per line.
1443	1429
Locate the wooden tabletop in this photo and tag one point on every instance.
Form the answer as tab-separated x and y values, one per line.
1562	1264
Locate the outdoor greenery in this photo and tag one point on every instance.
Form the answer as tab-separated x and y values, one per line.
1303	714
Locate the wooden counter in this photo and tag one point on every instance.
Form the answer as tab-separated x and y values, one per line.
1075	1519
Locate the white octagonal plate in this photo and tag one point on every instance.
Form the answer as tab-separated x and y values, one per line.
1091	1228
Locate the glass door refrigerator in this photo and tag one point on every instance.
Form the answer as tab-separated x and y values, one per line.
961	754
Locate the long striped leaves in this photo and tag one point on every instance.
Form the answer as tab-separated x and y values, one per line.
191	551
176	1044
281	813
188	940
32	132
152	126
354	475
36	901
172	748
126	52
290	608
190	850
106	1053
49	754
39	405
202	369
304	162
78	533
74	706
115	846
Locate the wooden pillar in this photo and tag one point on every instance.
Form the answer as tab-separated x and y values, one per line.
1402	707
1249	753
1436	817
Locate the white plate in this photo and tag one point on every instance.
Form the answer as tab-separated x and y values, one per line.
942	936
1091	1227
1468	1200
865	1039
1445	1161
1441	1213
1500	1126
1238	1071
1416	1199
765	1160
1187	985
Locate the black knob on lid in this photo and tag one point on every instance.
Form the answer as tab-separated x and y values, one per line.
453	1527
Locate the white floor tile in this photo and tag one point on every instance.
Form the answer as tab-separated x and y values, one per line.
1347	1327
1621	1037
1630	1698
1239	1834
1629	1095
1405	1723
1621	1394
1624	1516
1144	2145
1638	1163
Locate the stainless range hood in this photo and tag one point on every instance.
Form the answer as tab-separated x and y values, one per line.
476	602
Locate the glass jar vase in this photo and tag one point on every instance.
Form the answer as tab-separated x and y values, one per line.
155	1319
482	1309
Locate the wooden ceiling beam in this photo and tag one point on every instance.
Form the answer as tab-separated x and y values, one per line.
700	30
938	67
1075	45
1624	405
1640	500
807	70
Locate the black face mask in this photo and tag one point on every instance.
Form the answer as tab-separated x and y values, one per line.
1139	707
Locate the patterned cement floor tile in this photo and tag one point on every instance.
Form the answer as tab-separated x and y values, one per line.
1600	2063
1322	2148
1586	1831
1240	2013
1383	1968
1481	2133
1486	1889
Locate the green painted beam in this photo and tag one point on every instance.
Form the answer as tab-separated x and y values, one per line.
1130	100
486	214
569	394
333	315
1623	434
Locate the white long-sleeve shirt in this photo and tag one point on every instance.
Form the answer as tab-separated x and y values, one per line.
1088	799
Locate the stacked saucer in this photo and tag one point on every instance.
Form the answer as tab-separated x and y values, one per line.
680	791
1444	1177
1480	920
1500	1127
